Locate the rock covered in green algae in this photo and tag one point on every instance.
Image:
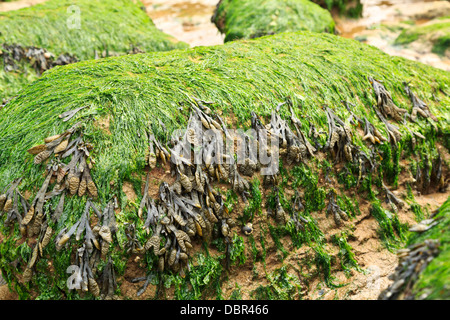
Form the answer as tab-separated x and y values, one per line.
84	29
124	95
256	18
239	77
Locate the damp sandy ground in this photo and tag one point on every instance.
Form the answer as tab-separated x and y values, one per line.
188	21
382	21
16	5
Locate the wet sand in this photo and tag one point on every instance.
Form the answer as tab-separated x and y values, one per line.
381	24
188	21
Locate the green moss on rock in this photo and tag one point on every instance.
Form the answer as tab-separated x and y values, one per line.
252	19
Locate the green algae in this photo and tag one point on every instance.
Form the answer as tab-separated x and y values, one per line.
12	82
438	33
9	252
283	285
305	177
433	282
391	231
419	213
236	294
254	203
205	275
252	19
204	278
347	176
314	196
346	254
256	254
81	28
276	233
323	260
112	25
135	90
237	251
349	205
390	167
262	240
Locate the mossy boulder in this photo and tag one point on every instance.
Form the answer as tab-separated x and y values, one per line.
125	97
436	32
82	29
314	70
256	18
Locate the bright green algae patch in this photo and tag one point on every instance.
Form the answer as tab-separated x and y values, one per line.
435	279
256	18
240	77
438	33
80	28
12	82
